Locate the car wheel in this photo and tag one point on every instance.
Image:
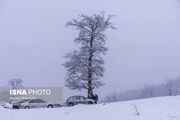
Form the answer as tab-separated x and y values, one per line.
50	106
70	104
26	107
90	102
15	107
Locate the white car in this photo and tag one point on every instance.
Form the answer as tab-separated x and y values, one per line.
32	103
73	100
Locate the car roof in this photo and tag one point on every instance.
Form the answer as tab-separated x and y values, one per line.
77	96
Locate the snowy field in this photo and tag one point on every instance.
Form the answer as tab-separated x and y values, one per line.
162	108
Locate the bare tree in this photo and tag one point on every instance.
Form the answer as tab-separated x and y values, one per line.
85	65
14	83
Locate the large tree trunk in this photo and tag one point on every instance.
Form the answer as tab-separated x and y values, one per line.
90	92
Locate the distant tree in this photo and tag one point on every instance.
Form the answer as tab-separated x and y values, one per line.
170	87
147	91
85	66
14	83
176	84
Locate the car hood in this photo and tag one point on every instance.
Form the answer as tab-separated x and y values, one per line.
89	99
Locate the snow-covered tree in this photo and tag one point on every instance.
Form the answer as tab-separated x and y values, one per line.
14	83
85	65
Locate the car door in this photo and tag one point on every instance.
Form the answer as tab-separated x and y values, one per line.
75	99
82	99
32	103
41	103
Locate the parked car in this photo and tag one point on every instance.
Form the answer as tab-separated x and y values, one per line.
32	103
74	100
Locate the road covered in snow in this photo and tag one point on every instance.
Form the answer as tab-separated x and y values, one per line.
161	108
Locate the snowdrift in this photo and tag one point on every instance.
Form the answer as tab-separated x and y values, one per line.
161	108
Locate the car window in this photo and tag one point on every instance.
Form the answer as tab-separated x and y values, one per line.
82	98
32	101
40	101
25	100
75	98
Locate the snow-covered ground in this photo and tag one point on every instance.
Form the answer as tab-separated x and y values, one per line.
161	108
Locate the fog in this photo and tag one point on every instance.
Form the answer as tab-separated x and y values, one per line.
144	49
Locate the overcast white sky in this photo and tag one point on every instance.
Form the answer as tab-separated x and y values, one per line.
144	49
